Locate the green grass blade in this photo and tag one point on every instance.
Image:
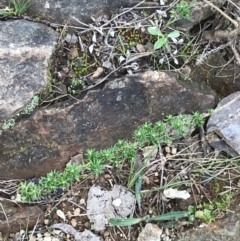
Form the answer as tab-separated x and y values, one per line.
138	187
170	216
124	221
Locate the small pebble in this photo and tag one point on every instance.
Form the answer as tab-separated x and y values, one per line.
106	234
47	234
55	239
82	202
32	238
116	202
77	211
74	222
167	149
107	176
56	231
47	239
87	225
46	221
174	150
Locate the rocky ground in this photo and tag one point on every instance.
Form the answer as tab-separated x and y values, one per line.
89	57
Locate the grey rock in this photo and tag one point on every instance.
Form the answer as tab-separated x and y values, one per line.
25	49
63	11
86	235
222	79
223	127
49	137
198	12
102	205
151	232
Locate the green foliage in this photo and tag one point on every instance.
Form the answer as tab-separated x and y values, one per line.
49	184
181	10
163	39
76	83
31	106
204	212
95	162
162	131
81	64
207	212
198	118
16	8
8	124
30	192
126	150
147	134
21	6
164	217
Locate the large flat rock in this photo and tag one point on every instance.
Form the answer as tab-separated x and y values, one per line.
63	11
47	138
25	49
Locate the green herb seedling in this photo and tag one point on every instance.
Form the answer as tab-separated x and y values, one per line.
163	39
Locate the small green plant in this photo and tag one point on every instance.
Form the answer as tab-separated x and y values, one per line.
198	118
204	212
81	64
16	8
181	10
163	39
8	124
76	83
95	162
208	212
31	191
31	106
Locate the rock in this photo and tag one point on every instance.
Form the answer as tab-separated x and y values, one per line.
102	205
49	137
86	235
223	229
25	49
198	12
223	127
222	79
151	232
62	11
18	217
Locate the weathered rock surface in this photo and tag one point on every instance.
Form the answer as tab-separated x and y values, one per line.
103	204
86	235
198	12
151	232
223	127
220	75
47	138
62	11
16	217
224	229
25	49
